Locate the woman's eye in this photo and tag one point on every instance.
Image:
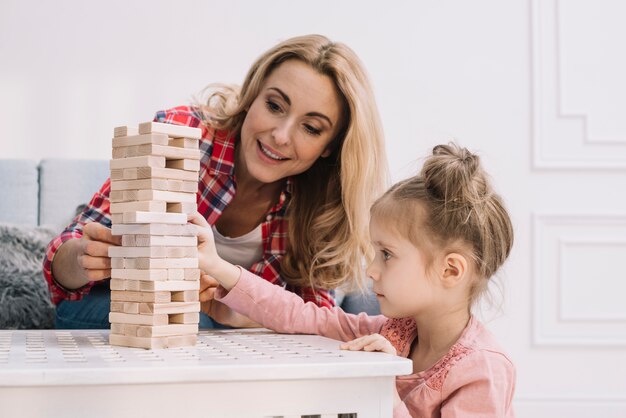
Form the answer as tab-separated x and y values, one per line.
273	107
312	130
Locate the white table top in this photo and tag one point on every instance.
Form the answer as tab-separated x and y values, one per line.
84	357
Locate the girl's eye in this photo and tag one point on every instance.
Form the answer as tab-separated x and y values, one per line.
272	106
386	255
312	130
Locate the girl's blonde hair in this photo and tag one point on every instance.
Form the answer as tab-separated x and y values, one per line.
462	212
327	215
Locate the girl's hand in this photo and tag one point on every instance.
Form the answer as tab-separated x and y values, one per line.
372	342
207	253
217	310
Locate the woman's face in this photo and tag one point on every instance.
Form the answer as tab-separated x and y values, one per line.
290	124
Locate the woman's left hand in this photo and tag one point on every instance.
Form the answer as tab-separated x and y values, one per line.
372	342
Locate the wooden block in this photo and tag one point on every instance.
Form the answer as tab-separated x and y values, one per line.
170	153
184	143
139	274
166	330
158	241
128	296
173	285
124	318
117	218
137	162
153	184
133	139
181	252
186	296
160	173
185	164
166	196
190	263
192	274
117	263
174	131
168	308
131	307
118	306
186	207
125	131
153	343
117	174
154	229
185	318
140	217
134	252
183	186
126	329
139	206
176	274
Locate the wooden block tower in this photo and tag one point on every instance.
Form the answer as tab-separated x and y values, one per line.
154	274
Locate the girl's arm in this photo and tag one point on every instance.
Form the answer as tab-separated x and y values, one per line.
271	305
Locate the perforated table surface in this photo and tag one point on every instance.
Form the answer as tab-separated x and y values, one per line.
229	373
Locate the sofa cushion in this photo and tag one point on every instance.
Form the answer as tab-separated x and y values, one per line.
24	296
19	192
65	184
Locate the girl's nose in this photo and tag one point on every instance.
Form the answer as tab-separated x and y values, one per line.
371	272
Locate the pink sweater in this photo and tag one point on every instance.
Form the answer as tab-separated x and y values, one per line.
474	379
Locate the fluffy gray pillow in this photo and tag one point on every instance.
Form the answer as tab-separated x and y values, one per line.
24	296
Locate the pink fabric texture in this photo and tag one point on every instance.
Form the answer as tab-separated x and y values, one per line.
474	379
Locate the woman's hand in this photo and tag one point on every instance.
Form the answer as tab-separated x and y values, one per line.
82	260
372	342
217	310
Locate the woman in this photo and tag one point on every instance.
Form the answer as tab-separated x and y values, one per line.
291	162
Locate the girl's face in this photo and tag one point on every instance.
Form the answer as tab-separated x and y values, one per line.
402	283
290	124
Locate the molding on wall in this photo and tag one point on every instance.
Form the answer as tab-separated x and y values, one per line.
586	152
550	327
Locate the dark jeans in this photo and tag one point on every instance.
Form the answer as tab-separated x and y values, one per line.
92	312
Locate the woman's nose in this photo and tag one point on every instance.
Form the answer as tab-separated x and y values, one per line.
282	133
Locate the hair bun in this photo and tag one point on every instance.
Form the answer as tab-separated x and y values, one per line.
454	175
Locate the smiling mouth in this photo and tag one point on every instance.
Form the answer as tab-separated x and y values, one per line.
269	153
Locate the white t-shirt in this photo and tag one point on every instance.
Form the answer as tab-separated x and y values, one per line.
241	251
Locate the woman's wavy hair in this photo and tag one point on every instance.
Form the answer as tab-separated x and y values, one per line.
328	214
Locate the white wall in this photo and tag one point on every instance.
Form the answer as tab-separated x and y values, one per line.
536	86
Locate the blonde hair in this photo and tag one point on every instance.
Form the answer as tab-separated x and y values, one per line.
328	212
462	212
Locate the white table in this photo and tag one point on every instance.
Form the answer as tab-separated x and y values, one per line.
231	373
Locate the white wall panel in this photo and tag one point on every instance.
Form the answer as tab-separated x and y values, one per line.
579	94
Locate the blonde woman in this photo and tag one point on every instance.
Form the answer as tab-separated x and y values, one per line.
291	163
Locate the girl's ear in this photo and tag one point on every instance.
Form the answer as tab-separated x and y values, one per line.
326	152
454	270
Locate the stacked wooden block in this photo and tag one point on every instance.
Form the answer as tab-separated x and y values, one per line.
154	274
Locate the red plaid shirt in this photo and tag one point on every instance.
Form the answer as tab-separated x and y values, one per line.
216	189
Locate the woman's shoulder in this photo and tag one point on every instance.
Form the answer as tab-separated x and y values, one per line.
180	115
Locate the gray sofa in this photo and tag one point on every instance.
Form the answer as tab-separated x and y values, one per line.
37	200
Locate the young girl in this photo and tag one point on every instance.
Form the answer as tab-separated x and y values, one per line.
438	238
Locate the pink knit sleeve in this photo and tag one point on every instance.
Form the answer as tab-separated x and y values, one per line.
481	384
285	312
